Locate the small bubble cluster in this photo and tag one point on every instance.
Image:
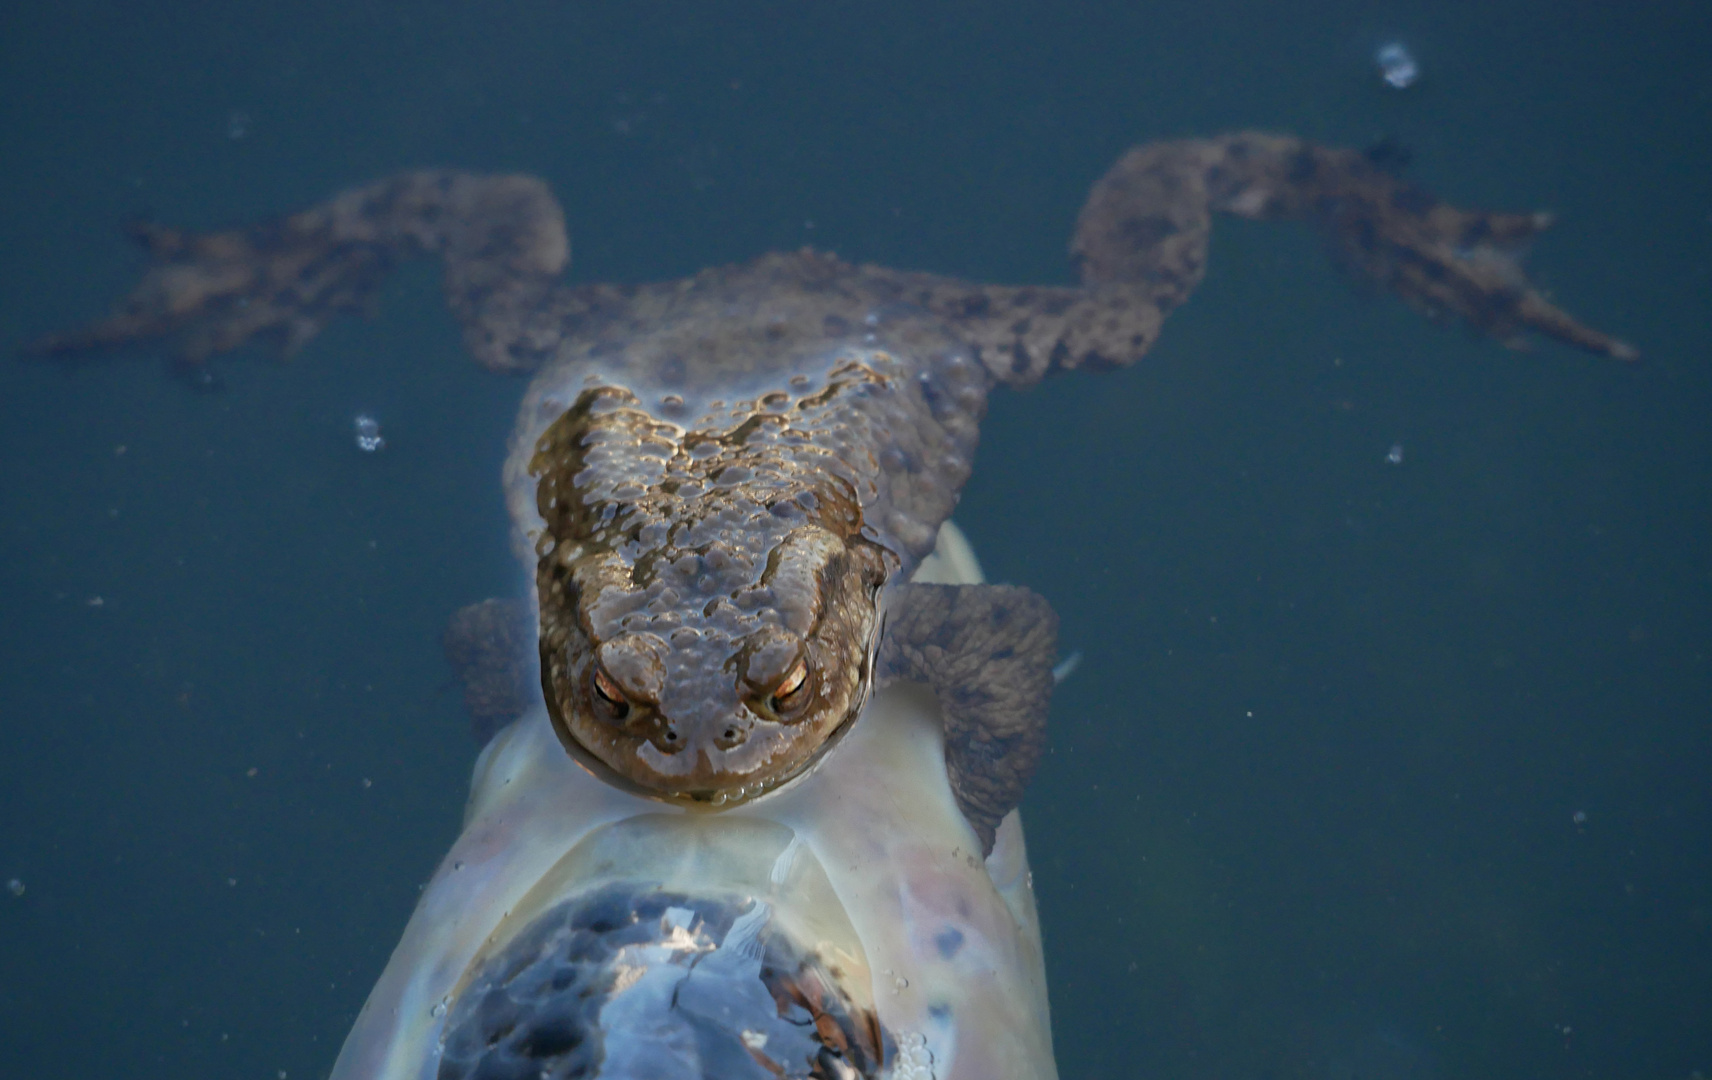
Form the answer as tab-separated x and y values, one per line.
1397	65
914	1061
369	437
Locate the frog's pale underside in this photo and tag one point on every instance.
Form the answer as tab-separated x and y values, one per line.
726	481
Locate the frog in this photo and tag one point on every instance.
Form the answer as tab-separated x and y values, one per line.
724	489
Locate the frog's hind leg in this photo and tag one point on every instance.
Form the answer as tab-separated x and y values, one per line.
1141	244
501	238
988	652
1146	224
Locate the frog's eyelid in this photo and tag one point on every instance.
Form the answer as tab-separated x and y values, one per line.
607	689
793	681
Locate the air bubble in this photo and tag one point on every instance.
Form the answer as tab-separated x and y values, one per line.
369	437
1397	65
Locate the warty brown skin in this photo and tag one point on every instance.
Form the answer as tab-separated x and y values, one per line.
727	476
727	479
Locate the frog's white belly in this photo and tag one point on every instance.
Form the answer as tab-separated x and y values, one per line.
865	863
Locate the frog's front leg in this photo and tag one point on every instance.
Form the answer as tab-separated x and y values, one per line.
491	645
501	238
987	651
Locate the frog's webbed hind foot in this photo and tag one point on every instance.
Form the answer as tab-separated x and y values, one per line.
491	645
1141	243
501	238
988	652
1146	224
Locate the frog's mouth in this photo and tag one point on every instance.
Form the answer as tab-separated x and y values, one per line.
708	787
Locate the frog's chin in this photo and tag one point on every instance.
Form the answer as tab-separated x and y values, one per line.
694	778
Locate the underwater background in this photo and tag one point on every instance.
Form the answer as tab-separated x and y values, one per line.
1372	769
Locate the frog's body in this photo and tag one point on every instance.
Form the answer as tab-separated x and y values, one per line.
722	486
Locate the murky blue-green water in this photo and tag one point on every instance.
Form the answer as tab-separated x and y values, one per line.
1371	771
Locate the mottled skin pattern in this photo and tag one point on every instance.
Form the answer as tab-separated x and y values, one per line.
986	651
725	481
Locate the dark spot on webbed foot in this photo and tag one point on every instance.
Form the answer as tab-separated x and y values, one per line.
1144	232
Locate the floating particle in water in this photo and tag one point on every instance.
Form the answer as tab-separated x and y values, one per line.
1579	817
1066	667
237	124
1397	65
15	887
1395	454
369	438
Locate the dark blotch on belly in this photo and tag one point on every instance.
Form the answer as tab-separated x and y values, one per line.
948	941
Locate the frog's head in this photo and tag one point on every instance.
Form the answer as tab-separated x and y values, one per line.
705	674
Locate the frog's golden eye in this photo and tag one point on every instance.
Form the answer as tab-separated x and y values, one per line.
791	691
608	697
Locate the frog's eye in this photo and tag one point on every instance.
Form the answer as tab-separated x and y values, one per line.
609	699
792	690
